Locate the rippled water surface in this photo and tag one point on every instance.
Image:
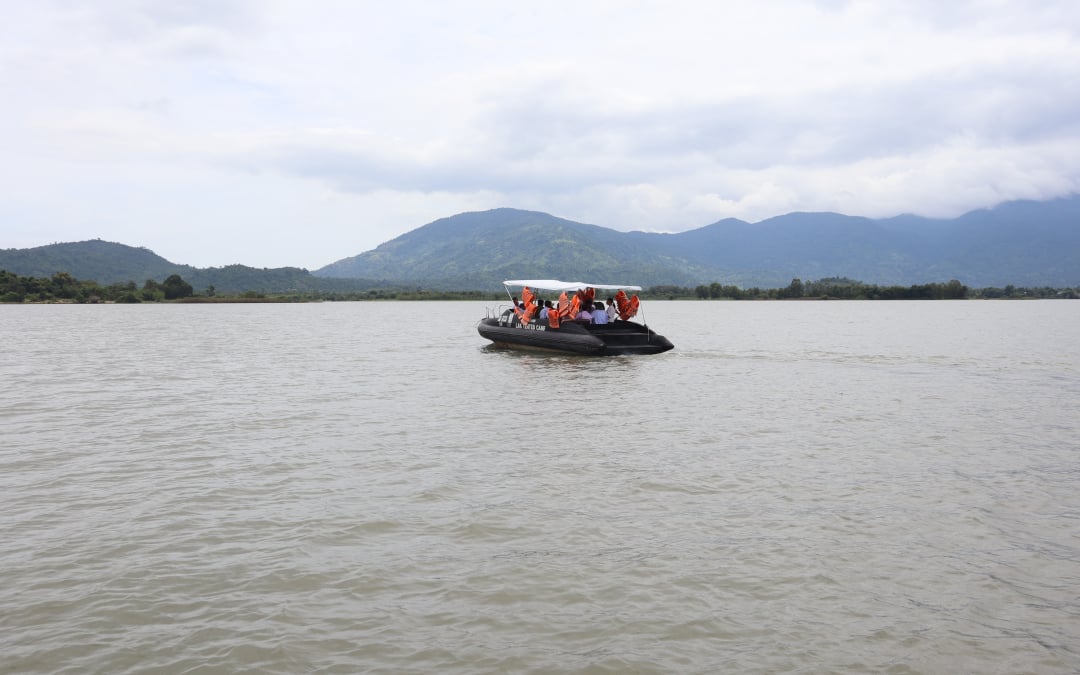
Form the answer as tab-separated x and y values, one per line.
366	487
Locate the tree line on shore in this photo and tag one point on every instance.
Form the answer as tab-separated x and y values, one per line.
841	288
62	287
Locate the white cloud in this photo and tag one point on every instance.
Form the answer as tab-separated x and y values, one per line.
284	133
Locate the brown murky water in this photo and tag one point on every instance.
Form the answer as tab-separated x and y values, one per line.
366	487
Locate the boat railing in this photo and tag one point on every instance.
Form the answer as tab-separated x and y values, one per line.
497	311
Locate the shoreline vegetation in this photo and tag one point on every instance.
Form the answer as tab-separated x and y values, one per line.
62	288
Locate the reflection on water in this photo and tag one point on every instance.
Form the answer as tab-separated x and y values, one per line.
819	487
564	365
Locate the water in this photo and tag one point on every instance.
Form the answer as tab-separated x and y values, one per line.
366	487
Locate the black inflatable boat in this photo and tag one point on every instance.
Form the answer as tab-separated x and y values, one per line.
529	325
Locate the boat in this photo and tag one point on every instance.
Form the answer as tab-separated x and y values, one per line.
519	327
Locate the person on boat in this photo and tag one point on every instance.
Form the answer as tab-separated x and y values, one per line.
517	305
547	308
599	316
584	315
612	311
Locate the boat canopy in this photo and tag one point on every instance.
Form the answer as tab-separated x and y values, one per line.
556	285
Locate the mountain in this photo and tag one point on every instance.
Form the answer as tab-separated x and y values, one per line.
111	263
479	250
804	245
102	261
1023	243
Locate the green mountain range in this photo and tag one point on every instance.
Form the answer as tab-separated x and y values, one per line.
110	263
479	250
1022	243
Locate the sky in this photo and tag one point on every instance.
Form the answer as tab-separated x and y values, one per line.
278	133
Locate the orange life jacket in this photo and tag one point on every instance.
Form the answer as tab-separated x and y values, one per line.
526	297
627	307
530	312
556	314
569	309
621	302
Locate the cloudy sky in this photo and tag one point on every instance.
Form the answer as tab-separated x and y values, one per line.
281	132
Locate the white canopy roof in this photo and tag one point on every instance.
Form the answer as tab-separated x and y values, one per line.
556	285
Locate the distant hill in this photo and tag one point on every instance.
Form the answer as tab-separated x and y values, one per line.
110	263
1023	243
102	261
479	250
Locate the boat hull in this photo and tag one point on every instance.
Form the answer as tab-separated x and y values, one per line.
618	337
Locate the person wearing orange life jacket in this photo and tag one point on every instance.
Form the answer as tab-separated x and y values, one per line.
528	314
527	308
552	316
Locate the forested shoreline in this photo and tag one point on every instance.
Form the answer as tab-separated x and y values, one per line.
61	287
841	288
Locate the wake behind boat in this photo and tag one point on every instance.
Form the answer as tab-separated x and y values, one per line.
528	326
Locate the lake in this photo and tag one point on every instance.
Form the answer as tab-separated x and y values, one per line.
799	487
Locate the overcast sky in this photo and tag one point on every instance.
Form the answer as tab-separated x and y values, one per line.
273	132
